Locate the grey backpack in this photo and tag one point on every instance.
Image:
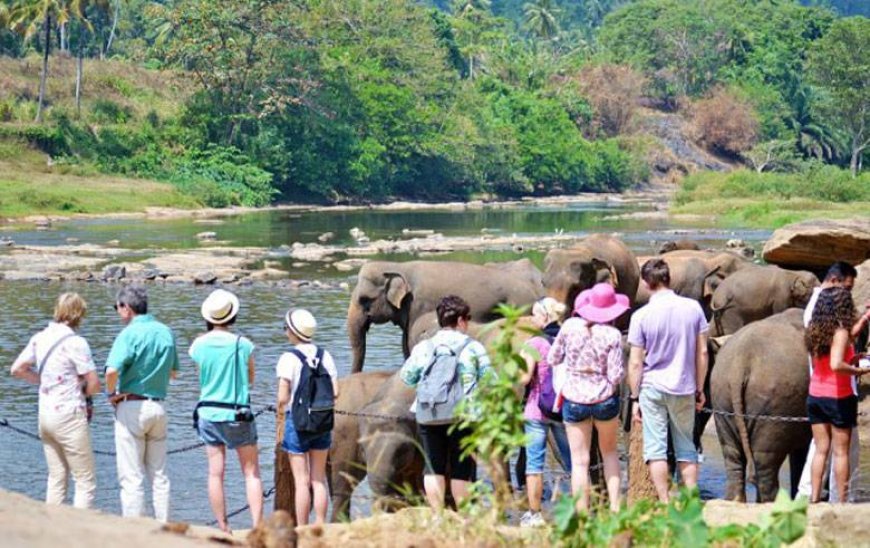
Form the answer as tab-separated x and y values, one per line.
440	388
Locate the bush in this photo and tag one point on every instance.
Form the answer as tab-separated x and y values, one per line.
724	123
614	92
223	176
109	112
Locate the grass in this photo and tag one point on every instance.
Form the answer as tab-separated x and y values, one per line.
771	200
30	186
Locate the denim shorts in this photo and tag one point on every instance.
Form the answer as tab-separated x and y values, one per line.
299	444
231	434
658	411
536	445
601	411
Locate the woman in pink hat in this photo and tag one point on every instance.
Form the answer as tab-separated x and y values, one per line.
587	354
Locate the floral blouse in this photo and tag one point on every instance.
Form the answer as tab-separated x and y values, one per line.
589	359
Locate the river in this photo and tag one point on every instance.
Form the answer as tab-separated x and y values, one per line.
28	307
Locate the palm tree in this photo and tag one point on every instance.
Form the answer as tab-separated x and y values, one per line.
26	17
814	138
464	8
541	17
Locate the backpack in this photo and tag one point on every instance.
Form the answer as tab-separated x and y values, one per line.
312	409
547	395
440	388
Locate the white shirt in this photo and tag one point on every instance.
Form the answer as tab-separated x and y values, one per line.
60	385
290	368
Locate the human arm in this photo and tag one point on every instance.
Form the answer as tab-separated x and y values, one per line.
862	322
635	373
557	350
413	367
701	364
251	370
284	389
91	383
615	371
22	367
531	365
842	340
329	364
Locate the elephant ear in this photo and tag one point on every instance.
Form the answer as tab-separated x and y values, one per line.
605	272
712	279
397	288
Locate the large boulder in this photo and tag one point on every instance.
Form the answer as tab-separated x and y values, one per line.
861	291
814	245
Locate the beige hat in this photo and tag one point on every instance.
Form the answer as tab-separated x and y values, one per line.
220	307
301	323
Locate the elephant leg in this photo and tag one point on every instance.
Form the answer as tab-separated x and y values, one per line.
733	457
796	461
767	466
343	478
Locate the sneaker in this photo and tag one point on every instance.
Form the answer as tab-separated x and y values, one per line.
532	519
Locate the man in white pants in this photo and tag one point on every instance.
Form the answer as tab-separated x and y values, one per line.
142	360
841	274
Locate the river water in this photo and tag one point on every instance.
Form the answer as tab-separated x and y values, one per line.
28	307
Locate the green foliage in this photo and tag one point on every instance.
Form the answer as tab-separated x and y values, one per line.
679	523
222	176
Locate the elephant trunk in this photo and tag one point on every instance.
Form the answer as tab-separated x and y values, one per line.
357	329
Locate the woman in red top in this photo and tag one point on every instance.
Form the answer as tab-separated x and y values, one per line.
832	406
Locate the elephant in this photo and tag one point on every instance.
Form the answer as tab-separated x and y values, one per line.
402	292
677	245
594	259
695	274
345	462
762	370
755	293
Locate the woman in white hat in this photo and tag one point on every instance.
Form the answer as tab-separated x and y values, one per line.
307	444
223	415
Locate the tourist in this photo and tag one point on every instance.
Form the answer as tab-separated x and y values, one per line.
667	367
588	355
840	274
223	414
66	376
546	314
432	368
832	406
307	440
138	369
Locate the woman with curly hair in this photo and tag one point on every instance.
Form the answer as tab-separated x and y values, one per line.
832	406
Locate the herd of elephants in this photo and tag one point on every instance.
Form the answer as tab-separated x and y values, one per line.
758	360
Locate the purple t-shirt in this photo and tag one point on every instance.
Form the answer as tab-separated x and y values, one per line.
667	329
532	412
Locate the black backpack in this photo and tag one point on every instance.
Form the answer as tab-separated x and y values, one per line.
312	409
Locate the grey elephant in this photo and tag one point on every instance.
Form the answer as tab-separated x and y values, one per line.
762	370
346	461
403	292
755	293
594	259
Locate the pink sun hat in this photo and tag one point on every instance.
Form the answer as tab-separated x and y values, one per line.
602	304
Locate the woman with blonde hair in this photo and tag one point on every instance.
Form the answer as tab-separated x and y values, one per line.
66	375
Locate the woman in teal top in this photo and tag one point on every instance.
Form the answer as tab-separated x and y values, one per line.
223	414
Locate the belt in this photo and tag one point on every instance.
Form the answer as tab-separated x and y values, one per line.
137	397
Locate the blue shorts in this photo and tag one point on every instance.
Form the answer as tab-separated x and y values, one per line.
297	444
659	410
601	411
231	434
536	445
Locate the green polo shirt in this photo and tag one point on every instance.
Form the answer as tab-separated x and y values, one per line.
143	354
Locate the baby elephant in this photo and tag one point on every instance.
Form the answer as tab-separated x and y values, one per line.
754	293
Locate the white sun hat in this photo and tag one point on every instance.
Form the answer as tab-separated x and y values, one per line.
220	307
301	323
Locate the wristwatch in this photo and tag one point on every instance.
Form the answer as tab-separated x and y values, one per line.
633	398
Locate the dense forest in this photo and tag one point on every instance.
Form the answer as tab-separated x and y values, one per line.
367	100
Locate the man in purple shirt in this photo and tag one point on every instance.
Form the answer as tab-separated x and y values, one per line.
666	371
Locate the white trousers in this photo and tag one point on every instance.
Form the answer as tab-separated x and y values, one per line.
66	441
140	441
805	487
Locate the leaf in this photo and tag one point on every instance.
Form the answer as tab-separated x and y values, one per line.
788	519
565	518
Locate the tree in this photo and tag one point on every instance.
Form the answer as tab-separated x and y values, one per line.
541	16
840	66
26	16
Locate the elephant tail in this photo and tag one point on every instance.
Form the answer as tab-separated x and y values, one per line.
738	394
718	311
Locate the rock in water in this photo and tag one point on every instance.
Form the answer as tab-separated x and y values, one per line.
113	273
814	245
276	531
205	278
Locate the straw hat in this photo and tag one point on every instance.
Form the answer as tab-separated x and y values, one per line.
220	307
301	323
602	304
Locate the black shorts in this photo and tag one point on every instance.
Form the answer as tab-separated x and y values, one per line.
840	412
442	448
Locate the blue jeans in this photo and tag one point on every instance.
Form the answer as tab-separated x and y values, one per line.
231	434
299	444
601	411
660	409
536	445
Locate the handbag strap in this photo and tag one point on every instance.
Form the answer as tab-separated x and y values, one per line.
50	352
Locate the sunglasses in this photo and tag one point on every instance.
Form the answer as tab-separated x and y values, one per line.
118	306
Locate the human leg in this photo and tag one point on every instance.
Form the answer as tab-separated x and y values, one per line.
805	485
822	437
681	418
840	438
130	450
608	432
58	470
250	463
434	485
536	444
463	470
156	424
580	441
435	441
216	455
80	459
655	438
317	465
302	484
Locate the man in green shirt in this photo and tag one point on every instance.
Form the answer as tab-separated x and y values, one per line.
140	364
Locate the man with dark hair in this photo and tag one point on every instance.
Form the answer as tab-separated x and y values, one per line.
840	274
468	362
142	360
666	371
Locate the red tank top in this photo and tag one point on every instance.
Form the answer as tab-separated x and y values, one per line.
826	383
